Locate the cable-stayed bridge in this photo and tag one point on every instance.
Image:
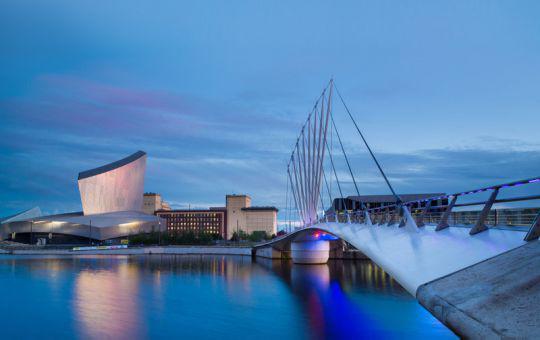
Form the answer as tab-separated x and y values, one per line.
417	242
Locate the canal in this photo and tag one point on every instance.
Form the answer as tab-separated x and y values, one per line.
205	297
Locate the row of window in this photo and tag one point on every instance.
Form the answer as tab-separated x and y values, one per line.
195	219
207	230
174	215
194	224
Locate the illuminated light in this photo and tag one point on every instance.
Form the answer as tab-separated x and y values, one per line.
127	224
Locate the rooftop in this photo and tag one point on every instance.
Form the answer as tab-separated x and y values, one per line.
390	198
111	166
261	209
189	211
235	195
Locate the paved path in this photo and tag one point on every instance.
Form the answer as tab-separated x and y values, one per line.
497	298
414	256
172	250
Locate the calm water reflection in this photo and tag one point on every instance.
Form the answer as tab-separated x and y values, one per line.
204	297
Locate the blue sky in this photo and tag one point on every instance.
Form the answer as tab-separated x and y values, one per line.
215	93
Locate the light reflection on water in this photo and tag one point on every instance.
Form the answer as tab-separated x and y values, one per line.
204	297
104	302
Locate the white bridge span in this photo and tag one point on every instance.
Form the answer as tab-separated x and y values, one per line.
449	264
415	256
394	235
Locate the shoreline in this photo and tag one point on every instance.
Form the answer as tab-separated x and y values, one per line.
171	250
150	250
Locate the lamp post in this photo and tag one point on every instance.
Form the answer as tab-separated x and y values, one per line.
237	233
31	231
159	232
90	233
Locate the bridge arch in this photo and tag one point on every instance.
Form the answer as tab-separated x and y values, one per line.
415	257
397	239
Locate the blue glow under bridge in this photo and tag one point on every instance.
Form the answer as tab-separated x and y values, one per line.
415	241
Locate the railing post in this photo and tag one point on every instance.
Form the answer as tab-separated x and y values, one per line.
393	216
367	218
384	216
402	216
375	217
534	231
480	223
443	223
425	211
407	219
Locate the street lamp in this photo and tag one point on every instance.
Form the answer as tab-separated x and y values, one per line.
159	232
31	231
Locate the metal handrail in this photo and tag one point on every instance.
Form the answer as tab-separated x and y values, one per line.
485	216
505	185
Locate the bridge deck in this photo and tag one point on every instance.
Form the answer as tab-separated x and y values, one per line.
498	298
417	256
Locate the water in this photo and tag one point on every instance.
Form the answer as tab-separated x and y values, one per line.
204	297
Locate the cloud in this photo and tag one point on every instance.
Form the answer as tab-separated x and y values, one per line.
198	149
201	150
195	205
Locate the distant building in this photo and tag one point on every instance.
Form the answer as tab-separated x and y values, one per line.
377	201
117	186
242	216
238	214
112	201
236	219
153	202
211	221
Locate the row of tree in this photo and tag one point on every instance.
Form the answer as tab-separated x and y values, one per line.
194	238
256	236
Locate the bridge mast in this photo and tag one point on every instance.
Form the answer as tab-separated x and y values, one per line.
308	156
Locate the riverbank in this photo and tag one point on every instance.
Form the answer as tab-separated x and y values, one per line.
497	298
170	250
244	250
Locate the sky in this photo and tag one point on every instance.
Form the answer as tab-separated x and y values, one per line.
446	92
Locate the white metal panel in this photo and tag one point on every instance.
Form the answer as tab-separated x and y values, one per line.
416	257
119	189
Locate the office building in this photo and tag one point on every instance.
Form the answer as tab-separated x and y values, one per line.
237	215
242	216
377	201
153	202
210	221
112	202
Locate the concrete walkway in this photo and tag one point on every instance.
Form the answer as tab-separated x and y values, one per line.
172	250
497	298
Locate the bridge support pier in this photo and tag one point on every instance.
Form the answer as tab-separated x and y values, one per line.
310	252
270	253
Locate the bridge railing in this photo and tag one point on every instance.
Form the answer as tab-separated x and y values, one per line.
496	217
444	216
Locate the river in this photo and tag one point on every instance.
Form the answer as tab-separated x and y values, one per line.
205	297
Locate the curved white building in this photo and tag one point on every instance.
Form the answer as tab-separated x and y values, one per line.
112	201
117	186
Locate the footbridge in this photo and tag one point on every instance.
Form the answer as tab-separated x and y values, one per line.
421	243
